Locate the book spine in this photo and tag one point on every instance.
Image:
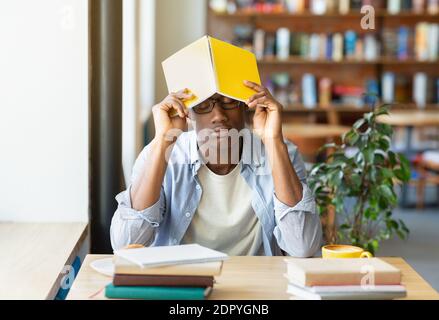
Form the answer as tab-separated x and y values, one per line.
420	89
418	6
176	281
258	43
318	7
283	43
154	293
433	6
421	47
388	87
393	6
350	44
309	94
403	39
314	43
337	54
433	42
344	6
329	47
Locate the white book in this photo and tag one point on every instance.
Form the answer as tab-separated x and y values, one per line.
295	6
309	91
433	41
170	255
318	7
344	6
388	87
283	43
314	46
259	43
420	89
382	292
394	6
370	48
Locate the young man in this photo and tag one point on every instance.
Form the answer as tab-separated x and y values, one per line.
219	185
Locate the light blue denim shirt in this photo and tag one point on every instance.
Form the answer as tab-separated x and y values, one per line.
296	230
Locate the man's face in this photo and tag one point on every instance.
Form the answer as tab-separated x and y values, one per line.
219	119
214	128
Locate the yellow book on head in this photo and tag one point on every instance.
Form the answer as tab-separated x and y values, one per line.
208	66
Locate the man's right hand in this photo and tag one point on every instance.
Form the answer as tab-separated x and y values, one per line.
162	114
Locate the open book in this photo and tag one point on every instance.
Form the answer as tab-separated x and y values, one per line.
208	66
169	255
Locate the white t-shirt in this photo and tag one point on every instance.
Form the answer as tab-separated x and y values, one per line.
225	219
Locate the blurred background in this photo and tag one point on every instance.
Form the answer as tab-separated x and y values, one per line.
69	137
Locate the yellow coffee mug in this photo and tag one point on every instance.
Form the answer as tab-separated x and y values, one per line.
344	251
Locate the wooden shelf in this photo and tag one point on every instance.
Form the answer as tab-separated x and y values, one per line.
386	61
299	108
307	14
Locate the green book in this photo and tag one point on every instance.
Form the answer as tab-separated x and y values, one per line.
156	293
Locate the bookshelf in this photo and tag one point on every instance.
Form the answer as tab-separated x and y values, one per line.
344	72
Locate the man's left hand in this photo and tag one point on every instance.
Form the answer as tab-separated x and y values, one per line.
267	120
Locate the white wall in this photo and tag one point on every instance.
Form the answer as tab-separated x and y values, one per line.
153	30
43	110
178	23
138	76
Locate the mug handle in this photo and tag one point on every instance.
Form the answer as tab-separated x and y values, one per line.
366	254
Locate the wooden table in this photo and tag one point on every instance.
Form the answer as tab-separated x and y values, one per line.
33	256
249	278
309	138
410	119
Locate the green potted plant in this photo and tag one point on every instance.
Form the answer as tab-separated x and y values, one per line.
364	170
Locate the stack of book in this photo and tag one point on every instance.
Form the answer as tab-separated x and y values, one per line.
343	279
184	272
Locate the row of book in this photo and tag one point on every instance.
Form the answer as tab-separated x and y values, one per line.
420	43
321	7
343	279
185	272
312	92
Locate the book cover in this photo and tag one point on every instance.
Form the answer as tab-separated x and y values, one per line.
162	280
403	43
324	272
208	66
347	292
156	293
122	266
170	255
350	43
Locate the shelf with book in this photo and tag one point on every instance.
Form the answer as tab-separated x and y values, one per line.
308	59
309	15
299	60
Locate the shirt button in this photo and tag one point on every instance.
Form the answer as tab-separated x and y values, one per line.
197	187
174	241
188	214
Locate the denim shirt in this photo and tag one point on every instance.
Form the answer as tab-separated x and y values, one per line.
295	230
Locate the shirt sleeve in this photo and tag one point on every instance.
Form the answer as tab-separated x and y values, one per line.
130	226
298	229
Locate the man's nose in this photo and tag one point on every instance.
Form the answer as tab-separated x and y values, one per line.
218	114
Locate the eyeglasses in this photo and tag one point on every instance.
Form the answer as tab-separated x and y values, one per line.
207	106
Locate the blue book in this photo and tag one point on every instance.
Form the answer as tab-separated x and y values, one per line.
350	43
156	293
329	47
309	91
403	43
